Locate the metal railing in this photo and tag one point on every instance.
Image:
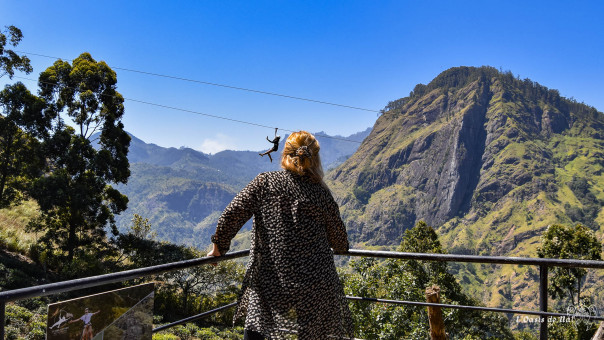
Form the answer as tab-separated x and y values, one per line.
543	264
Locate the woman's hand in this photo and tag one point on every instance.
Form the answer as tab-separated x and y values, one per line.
214	252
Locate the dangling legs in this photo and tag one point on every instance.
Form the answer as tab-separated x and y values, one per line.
268	153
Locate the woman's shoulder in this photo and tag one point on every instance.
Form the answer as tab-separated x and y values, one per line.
270	176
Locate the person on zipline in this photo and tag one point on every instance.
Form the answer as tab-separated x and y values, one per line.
275	146
291	282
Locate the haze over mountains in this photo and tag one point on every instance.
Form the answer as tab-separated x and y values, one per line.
183	191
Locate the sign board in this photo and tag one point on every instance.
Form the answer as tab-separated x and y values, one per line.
125	313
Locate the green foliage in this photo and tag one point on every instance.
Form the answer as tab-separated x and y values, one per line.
9	60
24	324
525	335
199	289
165	336
191	331
141	228
534	158
562	242
361	194
23	123
395	279
177	202
591	205
576	330
75	198
184	292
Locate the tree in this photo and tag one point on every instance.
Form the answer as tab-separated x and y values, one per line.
182	292
562	242
76	199
407	280
24	123
204	281
22	120
9	60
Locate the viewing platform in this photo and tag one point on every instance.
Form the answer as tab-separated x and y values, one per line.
542	263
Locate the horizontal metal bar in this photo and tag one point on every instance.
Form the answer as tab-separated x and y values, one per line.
478	308
398	302
93	281
477	259
59	287
194	317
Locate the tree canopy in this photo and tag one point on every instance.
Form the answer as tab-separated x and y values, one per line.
76	198
23	125
10	60
563	242
407	280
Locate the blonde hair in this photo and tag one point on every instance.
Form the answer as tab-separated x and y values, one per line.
301	156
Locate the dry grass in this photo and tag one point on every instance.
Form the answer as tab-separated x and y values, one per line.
13	222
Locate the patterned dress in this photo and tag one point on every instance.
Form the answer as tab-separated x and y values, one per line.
291	281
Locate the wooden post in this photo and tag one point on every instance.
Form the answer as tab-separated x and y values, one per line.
600	333
435	316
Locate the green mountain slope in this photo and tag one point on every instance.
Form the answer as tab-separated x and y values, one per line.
488	159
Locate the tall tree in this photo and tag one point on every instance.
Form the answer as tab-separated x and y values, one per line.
24	123
407	280
21	111
563	242
76	198
10	60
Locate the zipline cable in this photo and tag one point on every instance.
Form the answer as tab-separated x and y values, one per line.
216	84
195	112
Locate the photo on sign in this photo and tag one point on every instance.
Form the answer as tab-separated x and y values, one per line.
125	313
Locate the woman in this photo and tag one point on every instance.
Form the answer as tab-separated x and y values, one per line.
291	281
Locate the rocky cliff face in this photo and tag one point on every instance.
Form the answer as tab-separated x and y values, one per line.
458	149
488	160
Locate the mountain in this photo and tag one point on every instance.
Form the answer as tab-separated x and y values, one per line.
335	151
183	191
488	159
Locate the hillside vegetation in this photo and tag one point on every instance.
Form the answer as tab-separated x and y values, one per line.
489	160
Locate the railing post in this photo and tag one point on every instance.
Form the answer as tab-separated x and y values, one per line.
543	300
2	312
435	316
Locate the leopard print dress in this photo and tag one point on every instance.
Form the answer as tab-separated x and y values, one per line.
291	281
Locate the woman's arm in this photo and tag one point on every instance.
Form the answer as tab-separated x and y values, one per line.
336	230
239	211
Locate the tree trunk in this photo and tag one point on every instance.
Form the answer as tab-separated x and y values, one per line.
600	333
71	241
5	165
435	316
579	291
185	300
70	244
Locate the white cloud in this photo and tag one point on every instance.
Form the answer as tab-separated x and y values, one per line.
217	143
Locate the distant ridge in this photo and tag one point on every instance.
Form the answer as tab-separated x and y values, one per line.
183	191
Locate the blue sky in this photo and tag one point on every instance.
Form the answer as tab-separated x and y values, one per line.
357	53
